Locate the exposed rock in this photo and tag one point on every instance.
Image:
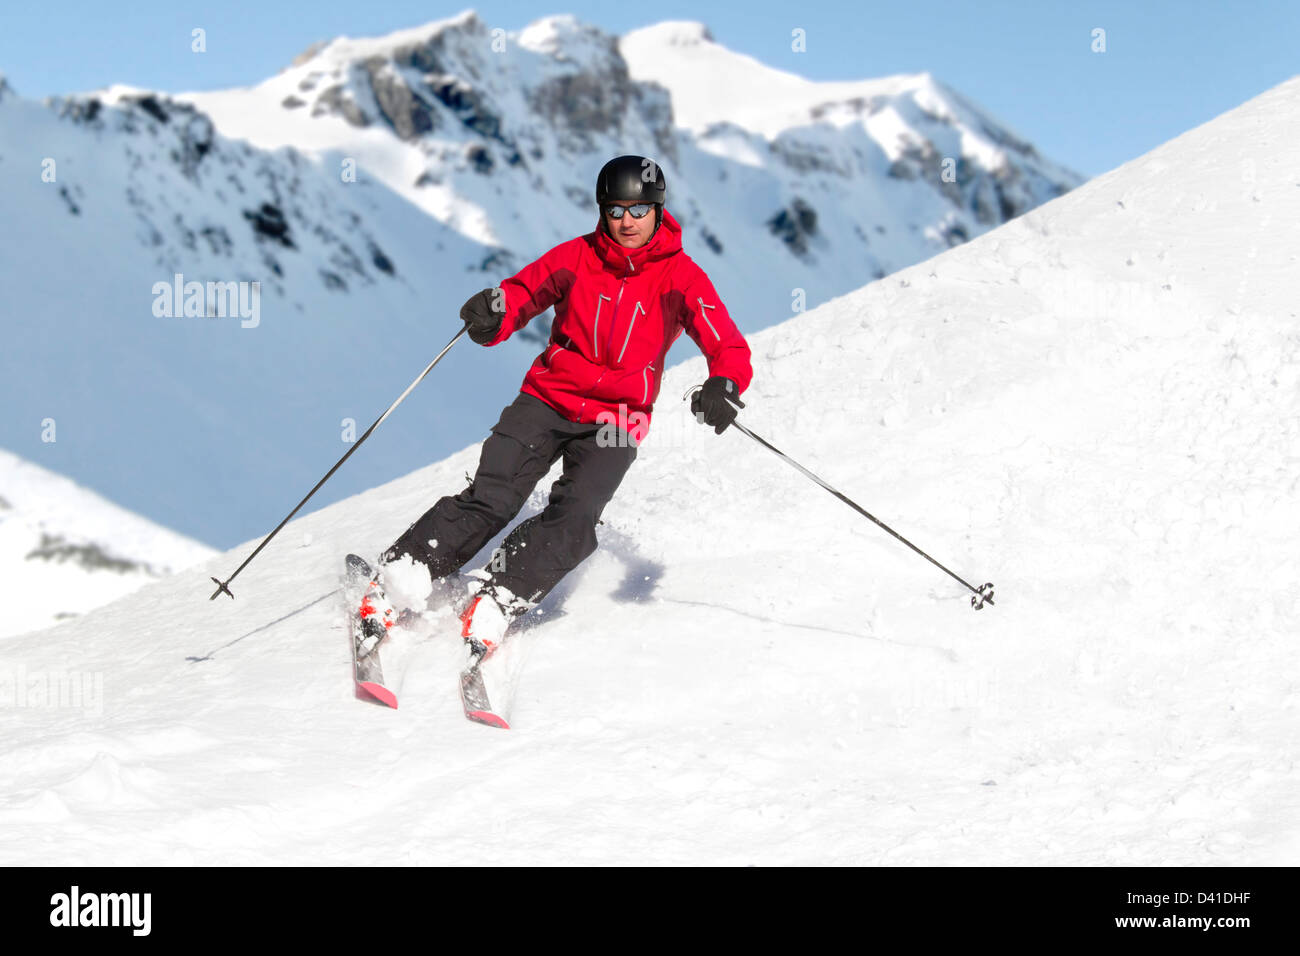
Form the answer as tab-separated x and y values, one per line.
89	556
795	225
920	160
854	105
149	103
654	105
806	157
582	104
381	261
310	52
711	241
80	110
218	239
955	234
338	99
269	223
498	260
408	114
67	198
466	104
479	158
195	140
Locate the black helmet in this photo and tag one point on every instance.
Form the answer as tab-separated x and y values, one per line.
631	179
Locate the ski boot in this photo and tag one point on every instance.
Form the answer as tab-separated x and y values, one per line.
489	614
378	613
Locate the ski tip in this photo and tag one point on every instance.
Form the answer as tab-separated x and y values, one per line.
379	692
357	564
487	717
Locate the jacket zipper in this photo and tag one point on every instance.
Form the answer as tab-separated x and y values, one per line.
632	324
595	326
609	345
705	317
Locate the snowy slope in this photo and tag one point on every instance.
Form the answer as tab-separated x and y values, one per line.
64	550
1093	406
370	188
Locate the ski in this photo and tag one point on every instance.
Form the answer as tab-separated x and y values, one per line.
490	677
487	676
474	693
367	633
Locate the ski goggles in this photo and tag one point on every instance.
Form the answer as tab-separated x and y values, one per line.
638	211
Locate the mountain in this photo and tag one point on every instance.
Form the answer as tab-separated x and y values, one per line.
1094	407
477	126
900	128
219	291
64	550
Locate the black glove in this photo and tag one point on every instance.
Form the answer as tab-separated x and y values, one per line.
712	404
480	316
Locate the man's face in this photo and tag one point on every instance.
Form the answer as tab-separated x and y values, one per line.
627	231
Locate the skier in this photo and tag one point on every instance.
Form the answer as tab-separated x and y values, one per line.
622	294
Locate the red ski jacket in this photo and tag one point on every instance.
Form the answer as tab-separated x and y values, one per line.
617	312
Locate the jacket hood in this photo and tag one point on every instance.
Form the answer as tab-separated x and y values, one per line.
667	241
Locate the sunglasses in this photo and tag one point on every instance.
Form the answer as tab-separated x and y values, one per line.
638	211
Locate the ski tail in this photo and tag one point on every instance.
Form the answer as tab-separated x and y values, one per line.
474	695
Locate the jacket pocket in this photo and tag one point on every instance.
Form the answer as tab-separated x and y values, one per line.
527	420
548	357
647	380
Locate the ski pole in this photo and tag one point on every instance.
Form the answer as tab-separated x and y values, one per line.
982	595
223	585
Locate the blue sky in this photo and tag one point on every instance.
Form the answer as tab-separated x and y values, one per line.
1168	66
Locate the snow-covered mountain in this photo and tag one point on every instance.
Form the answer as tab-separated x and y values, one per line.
371	187
64	550
828	138
1094	407
500	134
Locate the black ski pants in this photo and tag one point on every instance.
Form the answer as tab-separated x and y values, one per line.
523	446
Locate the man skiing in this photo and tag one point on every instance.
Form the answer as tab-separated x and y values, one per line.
622	294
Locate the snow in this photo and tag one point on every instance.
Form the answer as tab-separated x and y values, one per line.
65	550
344	50
1093	406
711	84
